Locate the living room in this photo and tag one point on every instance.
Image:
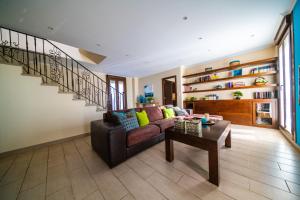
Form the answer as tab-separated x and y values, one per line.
149	100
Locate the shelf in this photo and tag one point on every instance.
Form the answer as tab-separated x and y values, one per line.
234	88
243	65
234	77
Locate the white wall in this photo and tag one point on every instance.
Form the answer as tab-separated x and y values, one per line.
31	114
180	71
156	81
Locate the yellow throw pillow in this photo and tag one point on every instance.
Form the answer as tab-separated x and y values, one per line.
142	118
169	113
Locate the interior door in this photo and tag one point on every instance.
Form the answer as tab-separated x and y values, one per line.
117	92
168	88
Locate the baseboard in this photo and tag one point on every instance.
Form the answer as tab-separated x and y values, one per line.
288	137
37	146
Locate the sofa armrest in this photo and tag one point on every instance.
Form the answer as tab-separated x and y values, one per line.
109	141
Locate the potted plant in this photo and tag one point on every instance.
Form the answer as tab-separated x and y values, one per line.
238	95
150	99
260	81
193	99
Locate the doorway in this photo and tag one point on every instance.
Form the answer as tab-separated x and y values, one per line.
116	87
169	90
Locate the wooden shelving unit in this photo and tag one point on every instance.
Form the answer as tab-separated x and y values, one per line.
233	77
228	68
234	88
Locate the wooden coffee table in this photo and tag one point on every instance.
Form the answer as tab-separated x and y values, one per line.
211	139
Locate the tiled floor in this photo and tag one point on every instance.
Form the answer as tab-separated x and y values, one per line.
260	165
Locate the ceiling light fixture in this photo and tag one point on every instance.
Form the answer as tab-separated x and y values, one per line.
50	28
98	45
252	35
200	38
126	55
184	18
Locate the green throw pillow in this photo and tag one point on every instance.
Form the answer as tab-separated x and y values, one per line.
169	113
142	118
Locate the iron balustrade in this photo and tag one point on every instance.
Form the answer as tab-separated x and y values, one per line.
41	57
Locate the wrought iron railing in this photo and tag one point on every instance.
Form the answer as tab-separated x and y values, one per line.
41	57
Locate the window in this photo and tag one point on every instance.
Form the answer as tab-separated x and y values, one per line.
285	81
117	92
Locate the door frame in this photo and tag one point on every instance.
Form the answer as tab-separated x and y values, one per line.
117	78
163	82
286	28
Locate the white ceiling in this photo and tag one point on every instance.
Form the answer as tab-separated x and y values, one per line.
143	37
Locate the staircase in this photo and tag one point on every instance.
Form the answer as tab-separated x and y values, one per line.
40	57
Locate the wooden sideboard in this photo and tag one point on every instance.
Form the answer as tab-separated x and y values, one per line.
250	112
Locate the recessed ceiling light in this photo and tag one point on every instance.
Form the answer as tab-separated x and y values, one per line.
200	38
126	55
252	35
208	50
50	28
98	45
184	18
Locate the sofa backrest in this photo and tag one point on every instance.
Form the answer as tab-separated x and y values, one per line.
154	113
109	117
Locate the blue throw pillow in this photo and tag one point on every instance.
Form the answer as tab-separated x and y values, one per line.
127	119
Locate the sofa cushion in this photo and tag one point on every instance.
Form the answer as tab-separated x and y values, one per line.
127	119
141	134
154	113
163	124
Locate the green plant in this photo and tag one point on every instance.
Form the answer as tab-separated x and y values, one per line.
238	94
193	98
150	99
187	98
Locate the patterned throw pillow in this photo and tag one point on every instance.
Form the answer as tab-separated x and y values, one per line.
180	112
127	119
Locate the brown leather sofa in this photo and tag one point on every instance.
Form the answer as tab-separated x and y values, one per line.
114	145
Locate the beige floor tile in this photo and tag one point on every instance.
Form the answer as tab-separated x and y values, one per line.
294	188
140	167
40	156
162	166
237	192
258	176
62	194
169	189
94	196
290	169
139	188
36	175
271	192
36	193
57	179
18	168
10	191
201	189
82	183
5	164
120	169
110	186
128	197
